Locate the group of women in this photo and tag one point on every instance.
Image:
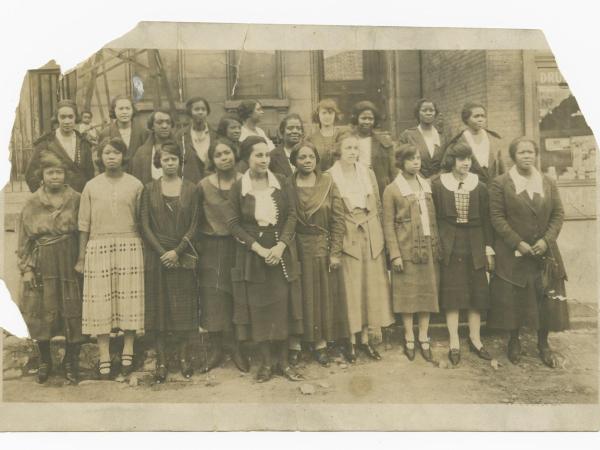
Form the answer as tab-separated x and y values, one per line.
326	238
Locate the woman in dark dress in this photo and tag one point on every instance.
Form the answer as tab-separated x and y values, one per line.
529	287
319	234
47	253
425	137
217	255
169	216
462	208
266	277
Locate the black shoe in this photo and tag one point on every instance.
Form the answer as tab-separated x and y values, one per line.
126	369
426	352
160	376
481	352
44	370
215	359
454	356
264	374
514	350
101	368
240	361
547	356
321	357
292	374
410	352
187	370
72	371
370	352
349	353
294	357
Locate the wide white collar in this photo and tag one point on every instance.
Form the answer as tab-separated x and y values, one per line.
405	188
247	182
531	185
362	173
451	183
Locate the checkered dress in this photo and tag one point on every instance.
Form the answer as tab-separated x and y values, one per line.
461	200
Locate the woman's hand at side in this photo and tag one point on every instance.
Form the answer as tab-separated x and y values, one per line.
170	259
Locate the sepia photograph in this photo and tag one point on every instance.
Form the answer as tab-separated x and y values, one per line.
264	220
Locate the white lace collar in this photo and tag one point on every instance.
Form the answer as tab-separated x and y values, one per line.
451	183
247	182
532	185
405	188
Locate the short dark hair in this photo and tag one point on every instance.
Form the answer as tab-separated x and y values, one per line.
420	103
285	120
115	142
326	103
514	145
362	106
150	121
247	146
405	152
86	111
468	110
190	103
169	146
246	108
113	105
224	123
454	152
299	146
336	152
213	148
65	103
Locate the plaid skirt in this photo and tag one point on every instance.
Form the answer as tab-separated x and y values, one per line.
113	285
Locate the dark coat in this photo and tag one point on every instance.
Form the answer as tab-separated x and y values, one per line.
517	218
383	160
139	135
193	168
140	165
78	172
495	163
430	166
279	162
479	226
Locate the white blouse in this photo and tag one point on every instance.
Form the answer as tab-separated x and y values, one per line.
481	151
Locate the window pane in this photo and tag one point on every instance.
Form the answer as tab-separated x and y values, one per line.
568	146
146	86
343	66
256	74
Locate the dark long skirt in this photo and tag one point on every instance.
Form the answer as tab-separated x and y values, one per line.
171	298
513	307
461	286
217	257
323	294
54	309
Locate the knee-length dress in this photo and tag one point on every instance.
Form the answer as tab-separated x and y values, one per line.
169	223
411	233
49	247
217	257
527	291
113	284
465	231
363	257
267	299
319	234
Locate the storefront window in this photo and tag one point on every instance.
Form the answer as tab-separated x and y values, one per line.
568	148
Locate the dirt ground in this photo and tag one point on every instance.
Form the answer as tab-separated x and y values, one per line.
393	380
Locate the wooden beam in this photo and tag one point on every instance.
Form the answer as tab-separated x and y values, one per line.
165	81
89	92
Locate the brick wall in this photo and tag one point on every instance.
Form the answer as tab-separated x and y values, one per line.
494	78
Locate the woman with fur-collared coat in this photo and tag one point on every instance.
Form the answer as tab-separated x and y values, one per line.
528	289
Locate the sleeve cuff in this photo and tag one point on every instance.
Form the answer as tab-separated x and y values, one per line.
489	251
